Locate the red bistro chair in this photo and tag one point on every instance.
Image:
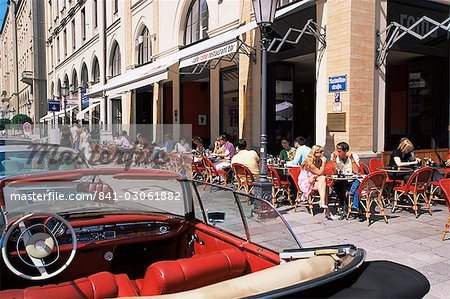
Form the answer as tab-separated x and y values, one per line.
370	192
244	177
375	164
364	168
434	188
444	184
212	175
414	189
278	185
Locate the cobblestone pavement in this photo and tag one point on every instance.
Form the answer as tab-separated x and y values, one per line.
405	240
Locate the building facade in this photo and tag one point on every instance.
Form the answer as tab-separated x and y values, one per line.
23	76
348	78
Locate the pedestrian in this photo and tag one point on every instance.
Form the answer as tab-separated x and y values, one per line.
65	137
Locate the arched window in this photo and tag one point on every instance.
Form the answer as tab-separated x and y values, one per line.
74	81
84	76
59	88
66	81
144	47
197	22
115	60
95	71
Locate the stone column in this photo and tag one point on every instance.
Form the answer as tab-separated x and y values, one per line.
321	78
351	52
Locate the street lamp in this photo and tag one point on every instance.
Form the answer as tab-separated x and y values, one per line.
264	14
64	93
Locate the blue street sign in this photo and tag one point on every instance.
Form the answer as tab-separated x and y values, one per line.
338	83
54	106
84	99
337	97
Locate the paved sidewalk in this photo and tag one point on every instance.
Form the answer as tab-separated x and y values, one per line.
405	240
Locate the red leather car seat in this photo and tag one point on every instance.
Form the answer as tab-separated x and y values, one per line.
167	277
96	286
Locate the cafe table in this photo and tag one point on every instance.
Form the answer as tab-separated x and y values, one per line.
396	171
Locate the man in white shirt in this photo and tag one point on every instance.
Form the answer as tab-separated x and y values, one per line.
345	162
124	140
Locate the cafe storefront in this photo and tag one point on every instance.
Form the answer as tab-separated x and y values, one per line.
417	72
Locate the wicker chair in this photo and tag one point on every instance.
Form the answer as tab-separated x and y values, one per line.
278	186
435	195
444	184
370	192
244	177
414	189
212	175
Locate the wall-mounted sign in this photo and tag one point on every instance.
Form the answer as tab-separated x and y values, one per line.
337	107
337	97
336	122
202	119
84	99
54	106
72	102
337	83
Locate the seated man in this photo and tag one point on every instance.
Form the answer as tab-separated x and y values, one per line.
288	152
345	162
301	152
246	157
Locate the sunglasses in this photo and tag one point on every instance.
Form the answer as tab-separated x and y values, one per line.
319	152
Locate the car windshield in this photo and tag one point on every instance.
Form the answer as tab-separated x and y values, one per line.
109	191
94	193
29	160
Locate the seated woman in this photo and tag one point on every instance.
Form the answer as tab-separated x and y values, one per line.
312	177
182	146
199	147
403	156
222	154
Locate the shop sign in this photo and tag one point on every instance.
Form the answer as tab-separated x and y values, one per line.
72	102
84	99
337	107
337	83
209	55
337	97
202	119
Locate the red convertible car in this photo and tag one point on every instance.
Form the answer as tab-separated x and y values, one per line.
103	233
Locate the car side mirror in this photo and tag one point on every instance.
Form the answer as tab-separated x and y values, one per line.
216	217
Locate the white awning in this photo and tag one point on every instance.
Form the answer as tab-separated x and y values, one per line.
68	110
95	92
48	116
80	115
160	73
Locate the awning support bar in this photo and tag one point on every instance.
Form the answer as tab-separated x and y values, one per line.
310	28
395	31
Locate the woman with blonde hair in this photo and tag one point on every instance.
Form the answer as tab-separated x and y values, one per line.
403	155
312	177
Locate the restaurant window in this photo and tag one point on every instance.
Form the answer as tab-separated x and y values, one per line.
197	22
94	14
115	60
229	103
95	71
144	47
83	24
84	76
74	40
